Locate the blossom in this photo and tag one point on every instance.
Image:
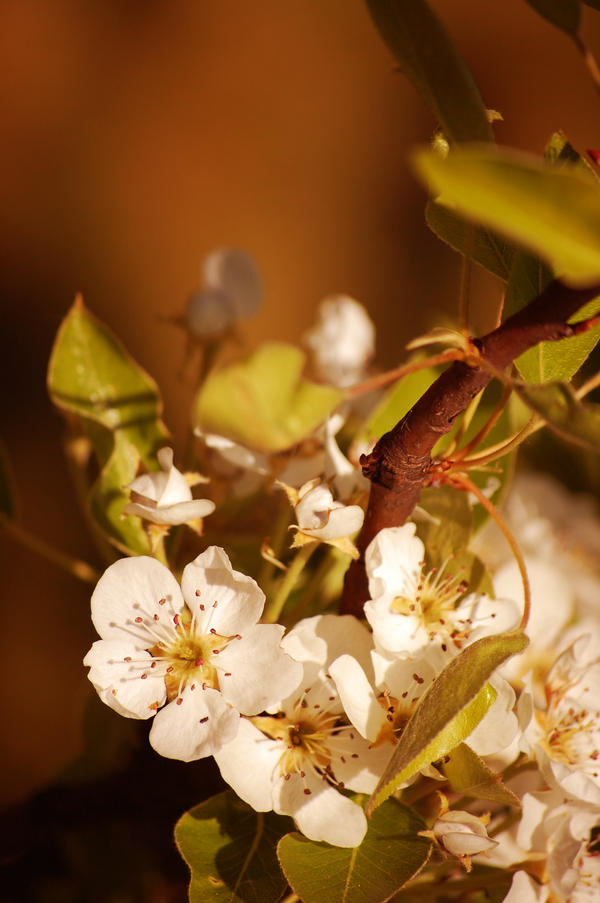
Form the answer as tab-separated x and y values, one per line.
164	496
342	341
196	654
410	610
564	736
462	834
296	761
323	520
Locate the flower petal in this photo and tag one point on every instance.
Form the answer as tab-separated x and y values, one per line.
357	696
127	598
258	673
210	579
116	669
393	561
323	638
250	764
323	814
197	726
180	513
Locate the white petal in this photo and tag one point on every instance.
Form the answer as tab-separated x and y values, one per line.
180	513
499	726
525	890
393	561
250	765
323	638
339	522
209	579
393	631
357	696
324	814
260	672
234	273
119	682
198	726
131	589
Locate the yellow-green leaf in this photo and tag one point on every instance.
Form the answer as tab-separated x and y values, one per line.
573	420
429	58
449	710
485	247
230	850
468	774
263	401
390	855
554	211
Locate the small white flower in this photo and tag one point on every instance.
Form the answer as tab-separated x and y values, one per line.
410	610
462	834
298	760
524	889
320	519
164	496
198	649
564	736
342	341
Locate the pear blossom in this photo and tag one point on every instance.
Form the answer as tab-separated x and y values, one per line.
164	496
462	834
320	519
297	760
342	341
194	657
410	610
564	736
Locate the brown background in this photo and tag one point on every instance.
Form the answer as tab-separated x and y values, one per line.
136	137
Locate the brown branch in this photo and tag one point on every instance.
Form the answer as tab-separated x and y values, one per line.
400	463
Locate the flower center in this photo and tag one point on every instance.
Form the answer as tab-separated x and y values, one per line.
433	598
188	655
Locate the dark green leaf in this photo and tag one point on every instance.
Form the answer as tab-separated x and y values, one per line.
565	14
390	855
553	211
428	57
449	710
263	401
468	774
230	850
573	420
448	528
485	247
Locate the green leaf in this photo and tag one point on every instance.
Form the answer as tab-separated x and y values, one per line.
263	402
449	710
92	375
468	774
428	57
390	855
107	499
399	400
565	14
571	419
485	247
554	211
230	850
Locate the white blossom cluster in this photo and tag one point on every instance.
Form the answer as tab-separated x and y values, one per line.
296	719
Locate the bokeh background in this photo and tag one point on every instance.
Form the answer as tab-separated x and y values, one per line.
138	135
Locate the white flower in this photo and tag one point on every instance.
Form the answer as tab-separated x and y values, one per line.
462	834
342	341
164	496
410	611
296	761
320	519
198	649
565	834
565	736
524	889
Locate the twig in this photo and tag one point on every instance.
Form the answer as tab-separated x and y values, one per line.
400	462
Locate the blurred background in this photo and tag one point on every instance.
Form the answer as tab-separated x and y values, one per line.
138	135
